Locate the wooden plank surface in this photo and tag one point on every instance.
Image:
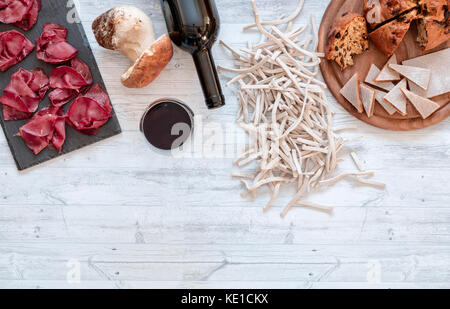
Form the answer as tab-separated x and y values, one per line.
126	216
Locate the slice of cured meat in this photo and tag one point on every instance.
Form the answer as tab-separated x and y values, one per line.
23	94
30	19
40	83
65	77
97	94
58	30
46	128
14	47
75	76
60	97
59	134
86	115
69	81
18	93
38	132
10	114
83	69
90	112
52	46
12	11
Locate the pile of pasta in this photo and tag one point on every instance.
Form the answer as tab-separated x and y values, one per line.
284	109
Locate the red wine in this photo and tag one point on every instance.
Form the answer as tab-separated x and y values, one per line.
167	124
194	25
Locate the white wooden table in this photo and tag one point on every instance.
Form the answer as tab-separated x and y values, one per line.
124	216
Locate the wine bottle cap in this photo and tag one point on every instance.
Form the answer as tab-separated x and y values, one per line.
215	101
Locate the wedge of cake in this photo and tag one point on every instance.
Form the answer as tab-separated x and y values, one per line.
424	106
396	98
379	95
387	74
368	99
438	63
352	93
374	71
389	36
419	76
434	26
378	12
347	37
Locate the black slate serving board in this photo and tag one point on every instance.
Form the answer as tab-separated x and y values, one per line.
63	13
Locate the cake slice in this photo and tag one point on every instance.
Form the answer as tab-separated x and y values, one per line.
396	98
370	79
438	63
379	95
434	26
419	76
368	99
348	36
389	36
352	93
424	106
378	12
387	74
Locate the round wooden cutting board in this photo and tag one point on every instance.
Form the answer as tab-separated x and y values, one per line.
336	78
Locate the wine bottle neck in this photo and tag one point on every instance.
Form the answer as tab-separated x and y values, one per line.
209	79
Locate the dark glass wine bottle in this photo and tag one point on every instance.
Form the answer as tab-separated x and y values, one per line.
194	25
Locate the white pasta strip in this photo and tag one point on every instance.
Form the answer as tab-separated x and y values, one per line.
267	181
370	182
307	142
281	21
342	176
233	51
293	45
357	162
304	204
249	70
275	194
245	176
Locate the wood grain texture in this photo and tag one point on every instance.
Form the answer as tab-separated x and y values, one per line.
135	218
336	78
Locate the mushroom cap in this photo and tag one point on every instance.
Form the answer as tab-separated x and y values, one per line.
126	29
150	64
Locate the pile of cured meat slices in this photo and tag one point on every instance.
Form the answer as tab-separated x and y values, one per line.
70	81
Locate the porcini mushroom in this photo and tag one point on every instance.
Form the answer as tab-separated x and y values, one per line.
130	31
